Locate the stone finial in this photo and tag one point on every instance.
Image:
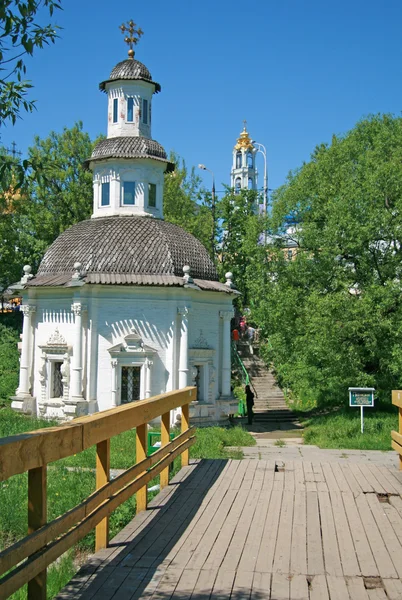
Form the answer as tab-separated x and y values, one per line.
187	277
77	271
229	282
27	274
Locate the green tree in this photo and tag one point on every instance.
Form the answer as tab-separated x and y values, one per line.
186	204
240	245
47	205
333	315
20	36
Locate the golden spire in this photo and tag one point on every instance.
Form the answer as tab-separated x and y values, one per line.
244	140
133	35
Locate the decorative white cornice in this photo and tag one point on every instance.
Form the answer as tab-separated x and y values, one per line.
77	308
226	315
27	309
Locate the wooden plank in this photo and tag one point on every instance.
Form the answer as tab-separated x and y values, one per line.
298	555
340	477
329	539
397	398
382	558
356	588
329	477
347	551
284	537
398	449
109	423
394	518
223	584
397	437
392	543
299	475
261	586
365	485
318	588
299	588
269	537
165	439
204	585
251	548
364	554
167	584
32	567
26	451
372	479
391	477
37	517
377	594
186	583
351	479
242	585
393	588
241	530
385	482
185	424
315	557
102	478
280	589
141	454
337	588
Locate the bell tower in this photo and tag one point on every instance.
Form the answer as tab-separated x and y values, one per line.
244	174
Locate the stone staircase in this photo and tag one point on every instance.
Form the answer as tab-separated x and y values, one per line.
270	407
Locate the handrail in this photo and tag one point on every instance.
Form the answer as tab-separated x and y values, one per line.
243	374
395	435
33	451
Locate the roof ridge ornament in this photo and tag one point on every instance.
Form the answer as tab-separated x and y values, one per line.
133	36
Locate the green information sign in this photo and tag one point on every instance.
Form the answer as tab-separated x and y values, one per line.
361	399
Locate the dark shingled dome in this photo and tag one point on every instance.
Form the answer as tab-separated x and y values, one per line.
128	244
130	69
128	147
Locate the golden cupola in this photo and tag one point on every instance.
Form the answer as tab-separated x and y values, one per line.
244	141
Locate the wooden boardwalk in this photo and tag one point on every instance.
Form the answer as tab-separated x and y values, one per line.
260	530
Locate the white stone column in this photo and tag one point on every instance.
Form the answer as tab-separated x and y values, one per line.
226	316
26	354
114	363
76	375
148	365
183	347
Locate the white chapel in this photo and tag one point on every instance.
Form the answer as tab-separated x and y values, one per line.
124	305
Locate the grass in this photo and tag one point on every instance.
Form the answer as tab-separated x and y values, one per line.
340	427
67	487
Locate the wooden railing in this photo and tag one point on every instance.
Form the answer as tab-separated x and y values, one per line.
26	560
397	436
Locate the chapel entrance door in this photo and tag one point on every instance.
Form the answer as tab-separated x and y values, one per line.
130	384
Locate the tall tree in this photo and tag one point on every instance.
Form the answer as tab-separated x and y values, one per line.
239	238
47	205
333	315
186	204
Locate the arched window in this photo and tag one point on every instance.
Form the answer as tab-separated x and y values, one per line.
238	160
237	185
250	183
250	160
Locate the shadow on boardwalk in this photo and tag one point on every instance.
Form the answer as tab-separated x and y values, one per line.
146	559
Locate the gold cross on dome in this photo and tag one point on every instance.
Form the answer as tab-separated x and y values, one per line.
133	33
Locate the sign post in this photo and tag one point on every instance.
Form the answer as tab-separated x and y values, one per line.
363	397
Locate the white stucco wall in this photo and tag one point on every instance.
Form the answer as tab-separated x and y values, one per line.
112	312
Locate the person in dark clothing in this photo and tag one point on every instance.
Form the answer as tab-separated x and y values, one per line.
250	404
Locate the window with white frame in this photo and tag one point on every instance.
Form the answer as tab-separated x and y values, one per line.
152	195
115	109
105	193
145	111
130	109
128	193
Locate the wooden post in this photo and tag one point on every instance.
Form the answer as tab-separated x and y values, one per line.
141	454
102	477
165	439
400	431
37	517
185	424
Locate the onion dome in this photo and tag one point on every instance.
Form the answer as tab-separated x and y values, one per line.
244	141
126	247
130	69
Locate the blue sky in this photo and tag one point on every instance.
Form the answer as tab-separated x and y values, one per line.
297	70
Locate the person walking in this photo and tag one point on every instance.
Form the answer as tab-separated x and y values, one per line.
250	404
235	337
